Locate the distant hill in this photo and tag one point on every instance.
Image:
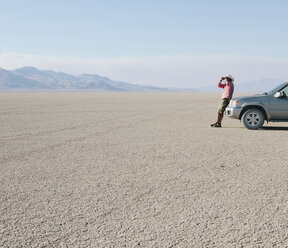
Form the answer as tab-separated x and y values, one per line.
30	78
263	85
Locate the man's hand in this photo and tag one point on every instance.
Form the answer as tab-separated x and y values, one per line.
220	85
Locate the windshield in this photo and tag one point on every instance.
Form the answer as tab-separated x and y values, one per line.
279	87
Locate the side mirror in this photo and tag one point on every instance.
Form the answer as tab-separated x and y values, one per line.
277	94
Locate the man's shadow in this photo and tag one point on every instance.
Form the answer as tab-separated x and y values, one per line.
274	128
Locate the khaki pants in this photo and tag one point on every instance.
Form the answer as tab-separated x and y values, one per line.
223	105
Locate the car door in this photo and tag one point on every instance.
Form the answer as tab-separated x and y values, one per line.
279	106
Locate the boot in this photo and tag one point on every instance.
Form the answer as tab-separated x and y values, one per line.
218	122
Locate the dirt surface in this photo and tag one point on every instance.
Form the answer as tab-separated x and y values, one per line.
138	170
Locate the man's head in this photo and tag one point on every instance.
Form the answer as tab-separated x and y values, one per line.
229	78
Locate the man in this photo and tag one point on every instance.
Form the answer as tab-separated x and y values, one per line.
227	94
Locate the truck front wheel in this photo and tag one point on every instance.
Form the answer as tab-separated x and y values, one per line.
253	119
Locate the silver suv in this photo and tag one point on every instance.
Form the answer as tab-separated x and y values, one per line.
254	110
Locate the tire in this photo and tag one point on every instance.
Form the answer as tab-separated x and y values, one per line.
253	119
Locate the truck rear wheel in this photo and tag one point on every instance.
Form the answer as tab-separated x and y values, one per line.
253	119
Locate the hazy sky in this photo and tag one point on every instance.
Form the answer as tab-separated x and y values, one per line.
179	43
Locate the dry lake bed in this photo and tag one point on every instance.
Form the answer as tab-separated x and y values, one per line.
138	170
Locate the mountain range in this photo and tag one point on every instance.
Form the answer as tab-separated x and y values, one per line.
30	78
33	79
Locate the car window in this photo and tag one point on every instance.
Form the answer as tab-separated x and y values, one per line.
285	90
276	89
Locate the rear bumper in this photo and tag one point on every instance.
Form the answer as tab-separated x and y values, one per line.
233	112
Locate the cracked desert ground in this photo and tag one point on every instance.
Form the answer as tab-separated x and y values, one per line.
138	170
